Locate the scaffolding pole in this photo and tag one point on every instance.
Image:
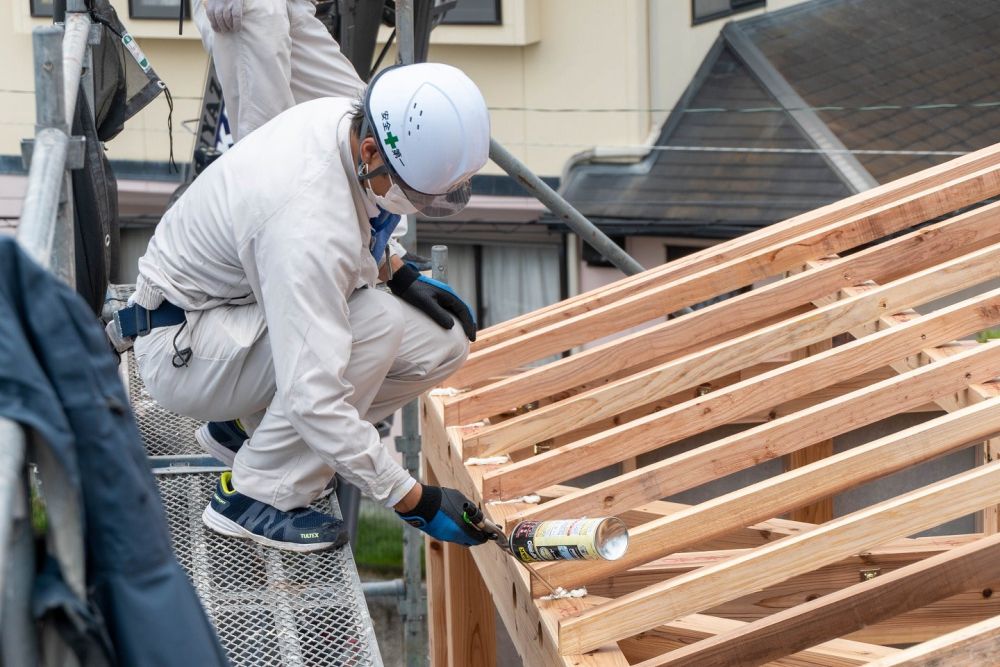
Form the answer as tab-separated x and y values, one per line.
583	227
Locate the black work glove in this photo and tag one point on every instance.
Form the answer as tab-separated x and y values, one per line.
434	298
439	514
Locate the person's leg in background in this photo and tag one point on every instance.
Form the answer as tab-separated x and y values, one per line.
254	64
319	67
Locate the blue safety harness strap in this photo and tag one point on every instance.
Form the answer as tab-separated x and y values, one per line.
137	321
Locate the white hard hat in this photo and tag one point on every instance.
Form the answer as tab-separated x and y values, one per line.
432	128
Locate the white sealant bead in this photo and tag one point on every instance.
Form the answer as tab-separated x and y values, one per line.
529	499
487	460
562	594
445	391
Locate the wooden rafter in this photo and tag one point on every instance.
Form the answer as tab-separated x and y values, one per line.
721	407
978	644
845	611
921	249
739	272
746	361
779	494
783	337
909	513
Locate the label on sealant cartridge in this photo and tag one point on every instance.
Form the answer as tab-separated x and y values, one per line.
137	54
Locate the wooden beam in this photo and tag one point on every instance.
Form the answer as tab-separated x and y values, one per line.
533	630
437	593
867	201
660	300
821	509
884	262
904	515
471	630
692	369
761	443
757	393
778	494
977	645
919	625
684	631
836	653
845	611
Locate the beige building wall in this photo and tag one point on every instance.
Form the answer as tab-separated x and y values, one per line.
561	76
587	55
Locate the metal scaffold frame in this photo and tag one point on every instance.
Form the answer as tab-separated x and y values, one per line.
62	57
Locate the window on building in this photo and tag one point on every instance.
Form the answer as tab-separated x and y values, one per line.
157	9
41	8
474	12
709	10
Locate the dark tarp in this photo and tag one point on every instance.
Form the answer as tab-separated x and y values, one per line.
59	379
121	89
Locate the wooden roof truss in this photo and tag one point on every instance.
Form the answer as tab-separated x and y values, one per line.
827	342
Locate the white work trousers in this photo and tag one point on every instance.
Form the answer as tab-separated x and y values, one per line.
397	354
283	56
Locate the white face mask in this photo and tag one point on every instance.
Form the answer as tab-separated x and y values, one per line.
393	201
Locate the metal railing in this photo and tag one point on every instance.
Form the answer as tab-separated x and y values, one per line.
46	232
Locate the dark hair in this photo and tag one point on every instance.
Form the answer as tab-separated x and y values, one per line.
357	117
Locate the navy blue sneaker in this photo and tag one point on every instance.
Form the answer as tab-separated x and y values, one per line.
303	529
221	439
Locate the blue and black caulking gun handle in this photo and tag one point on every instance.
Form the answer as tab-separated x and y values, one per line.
474	516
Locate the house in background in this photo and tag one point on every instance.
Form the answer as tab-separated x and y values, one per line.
560	76
647	112
795	109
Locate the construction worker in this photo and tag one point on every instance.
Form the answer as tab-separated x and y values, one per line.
256	305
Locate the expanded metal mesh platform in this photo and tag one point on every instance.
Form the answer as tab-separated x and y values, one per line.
164	433
270	607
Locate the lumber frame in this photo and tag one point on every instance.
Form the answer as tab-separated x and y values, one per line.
656	597
783	337
739	272
779	494
712	257
834	653
533	627
977	644
907	514
761	443
921	248
819	510
840	613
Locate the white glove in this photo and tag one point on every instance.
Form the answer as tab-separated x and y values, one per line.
225	15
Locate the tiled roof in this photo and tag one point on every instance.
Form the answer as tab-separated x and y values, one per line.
848	53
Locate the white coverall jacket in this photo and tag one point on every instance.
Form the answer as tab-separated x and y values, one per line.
282	56
268	253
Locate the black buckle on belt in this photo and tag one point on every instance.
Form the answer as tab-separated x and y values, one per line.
140	314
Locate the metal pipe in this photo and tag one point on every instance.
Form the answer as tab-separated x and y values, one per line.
37	231
64	517
583	227
383	589
404	28
18	639
74	46
12	450
439	263
50	103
